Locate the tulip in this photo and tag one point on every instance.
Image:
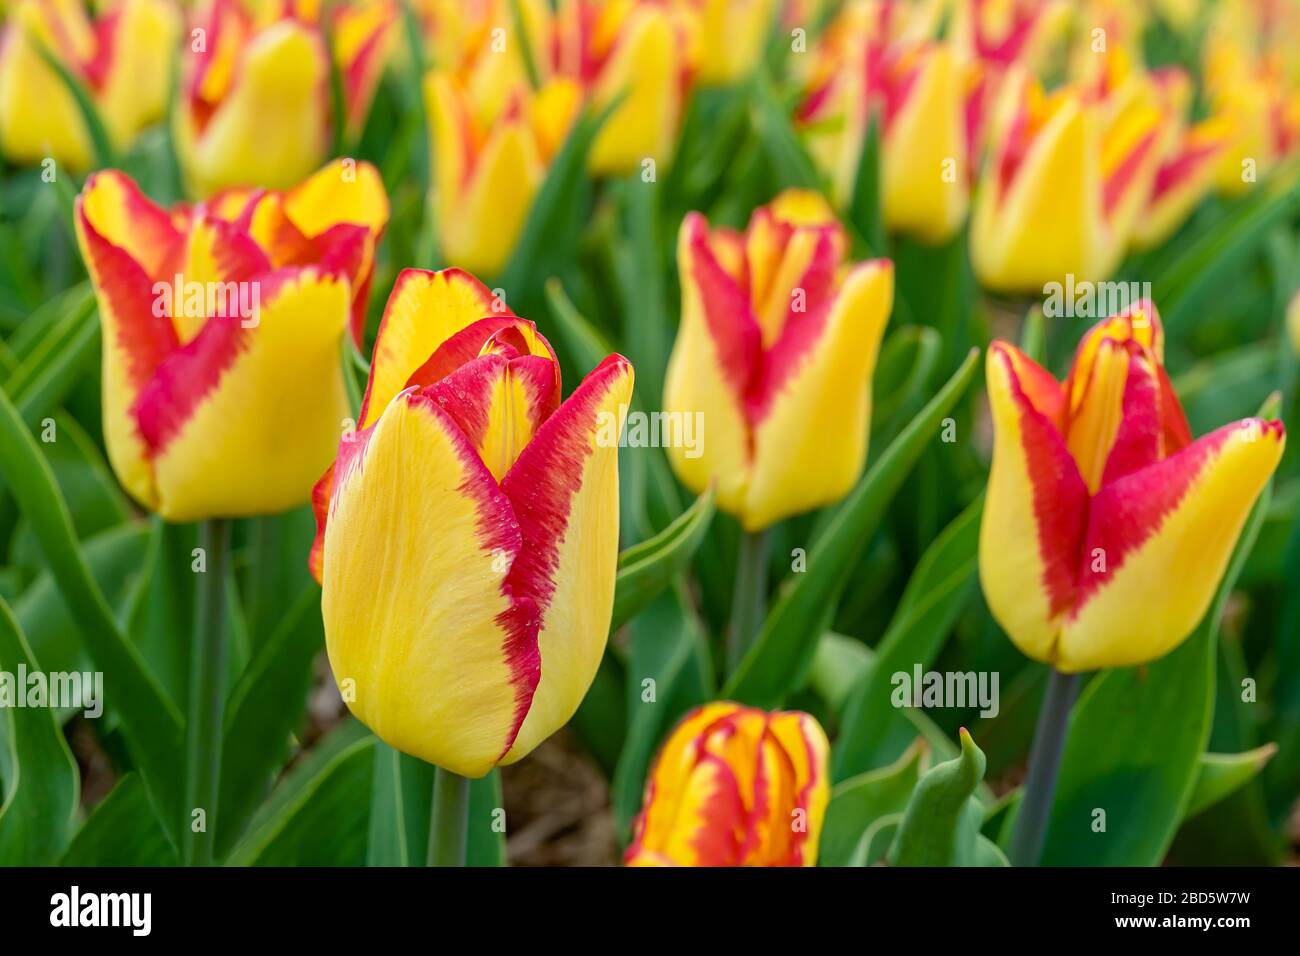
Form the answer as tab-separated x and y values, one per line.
222	389
121	59
254	109
735	786
775	352
480	44
1189	157
468	531
919	91
1065	182
634	48
1106	528
731	37
490	163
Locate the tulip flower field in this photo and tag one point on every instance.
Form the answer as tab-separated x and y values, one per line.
688	433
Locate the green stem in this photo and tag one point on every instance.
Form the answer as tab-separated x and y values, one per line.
449	822
748	598
207	695
1044	763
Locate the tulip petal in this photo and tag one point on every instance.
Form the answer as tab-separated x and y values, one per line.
138	336
718	348
564	488
423	311
808	750
1159	539
194	412
499	403
819	371
1034	515
416	593
342	191
270	128
677	801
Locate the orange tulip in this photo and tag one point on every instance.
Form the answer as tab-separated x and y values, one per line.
735	786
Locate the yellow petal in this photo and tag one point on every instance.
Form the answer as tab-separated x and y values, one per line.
417	547
244	419
811	445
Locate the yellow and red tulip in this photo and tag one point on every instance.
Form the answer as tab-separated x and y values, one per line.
633	48
254	107
731	34
1106	527
489	163
222	388
918	90
735	786
1067	177
122	59
468	530
1189	158
776	350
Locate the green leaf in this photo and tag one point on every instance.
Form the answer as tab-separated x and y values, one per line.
486	839
41	785
265	708
114	560
161	612
873	730
789	158
1135	742
779	657
95	500
866	211
582	339
55	362
319	814
668	649
940	826
150	721
122	830
876	841
554	208
859	801
1181	286
401	797
645	569
1221	775
102	143
908	361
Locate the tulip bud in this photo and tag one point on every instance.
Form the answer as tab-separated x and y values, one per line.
223	394
254	107
776	350
633	48
1106	528
735	786
731	35
468	531
1065	181
122	59
490	163
918	92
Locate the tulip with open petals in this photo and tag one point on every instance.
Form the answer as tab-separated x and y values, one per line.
1107	527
